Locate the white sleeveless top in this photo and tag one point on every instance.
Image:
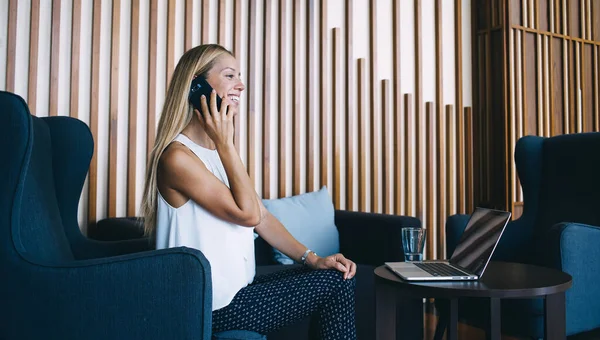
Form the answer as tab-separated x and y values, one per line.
228	247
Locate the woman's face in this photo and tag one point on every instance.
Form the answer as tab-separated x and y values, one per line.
224	77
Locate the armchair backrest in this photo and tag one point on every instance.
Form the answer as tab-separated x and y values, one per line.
31	223
560	180
570	181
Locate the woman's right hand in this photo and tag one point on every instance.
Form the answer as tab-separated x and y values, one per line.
217	124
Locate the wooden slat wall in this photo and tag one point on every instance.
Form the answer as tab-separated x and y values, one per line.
553	73
414	156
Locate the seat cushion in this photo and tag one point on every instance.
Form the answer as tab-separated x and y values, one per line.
238	335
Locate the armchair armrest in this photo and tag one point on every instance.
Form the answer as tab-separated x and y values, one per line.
110	237
575	249
371	238
153	295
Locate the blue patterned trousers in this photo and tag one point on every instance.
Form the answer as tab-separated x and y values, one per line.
275	300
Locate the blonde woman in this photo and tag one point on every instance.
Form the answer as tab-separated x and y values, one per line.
198	194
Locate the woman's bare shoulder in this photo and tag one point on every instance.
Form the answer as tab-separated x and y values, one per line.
177	159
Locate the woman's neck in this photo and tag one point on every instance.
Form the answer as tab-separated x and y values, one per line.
197	134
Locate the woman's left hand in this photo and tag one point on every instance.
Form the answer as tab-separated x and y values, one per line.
338	262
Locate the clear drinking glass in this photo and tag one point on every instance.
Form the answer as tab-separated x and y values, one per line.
413	240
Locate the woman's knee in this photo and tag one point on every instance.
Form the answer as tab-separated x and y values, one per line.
335	279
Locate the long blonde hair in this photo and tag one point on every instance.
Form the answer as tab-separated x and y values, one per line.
176	114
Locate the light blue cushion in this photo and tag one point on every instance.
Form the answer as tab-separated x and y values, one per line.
309	218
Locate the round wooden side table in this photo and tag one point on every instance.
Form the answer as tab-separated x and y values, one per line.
501	280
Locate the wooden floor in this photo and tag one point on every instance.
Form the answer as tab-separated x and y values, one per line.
472	333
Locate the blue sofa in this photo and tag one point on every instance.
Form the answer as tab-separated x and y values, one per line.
559	228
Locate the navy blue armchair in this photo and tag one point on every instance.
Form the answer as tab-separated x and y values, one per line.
559	228
56	283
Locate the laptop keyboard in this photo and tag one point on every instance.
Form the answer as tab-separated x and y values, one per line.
439	269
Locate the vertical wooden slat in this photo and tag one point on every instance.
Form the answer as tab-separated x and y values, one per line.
374	99
324	47
222	22
443	196
153	49
556	86
493	14
548	87
11	45
539	86
419	119
458	82
349	99
237	51
439	56
252	50
171	41
133	110
460	161
386	119
54	58
513	107
75	46
564	17
595	9
362	134
532	15
469	163
34	27
297	97
282	94
588	12
596	91
311	78
408	153
399	165
524	12
487	117
189	24
336	115
582	17
206	21
542	15
587	87
266	93
93	173
430	169
570	88
579	80
551	17
521	99
450	160
114	109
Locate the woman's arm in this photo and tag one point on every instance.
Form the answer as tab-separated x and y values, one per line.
181	171
272	231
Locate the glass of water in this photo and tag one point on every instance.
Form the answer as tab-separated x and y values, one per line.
413	240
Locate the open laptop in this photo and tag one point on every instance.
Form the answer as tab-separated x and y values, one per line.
471	256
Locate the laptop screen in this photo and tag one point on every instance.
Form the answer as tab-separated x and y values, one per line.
479	239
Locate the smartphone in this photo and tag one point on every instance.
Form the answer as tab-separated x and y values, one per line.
201	87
